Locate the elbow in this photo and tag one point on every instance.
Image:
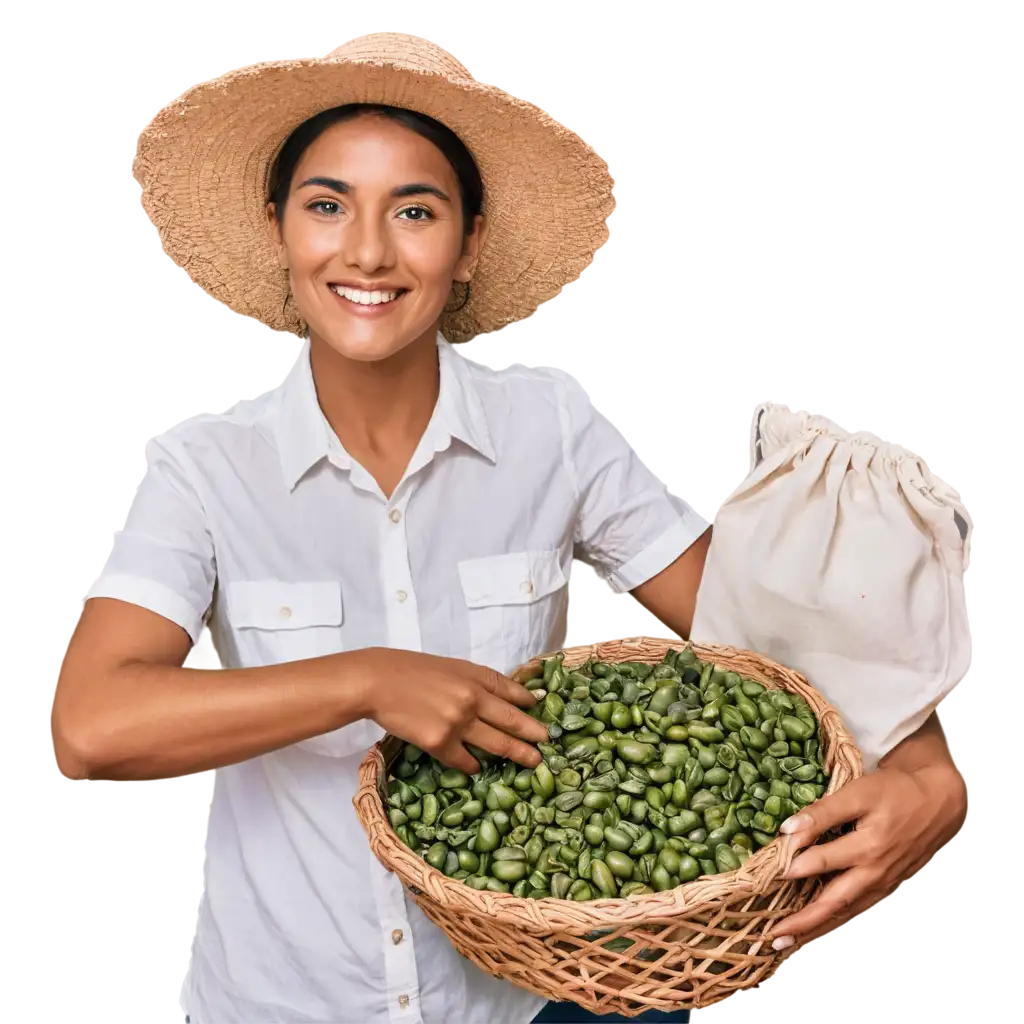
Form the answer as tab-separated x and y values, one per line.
77	750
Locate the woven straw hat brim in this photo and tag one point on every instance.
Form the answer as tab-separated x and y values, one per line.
204	161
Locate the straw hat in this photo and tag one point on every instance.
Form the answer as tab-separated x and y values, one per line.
204	163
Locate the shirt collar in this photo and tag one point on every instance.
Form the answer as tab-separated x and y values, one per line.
304	436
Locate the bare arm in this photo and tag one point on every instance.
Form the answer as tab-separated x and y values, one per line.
126	709
671	596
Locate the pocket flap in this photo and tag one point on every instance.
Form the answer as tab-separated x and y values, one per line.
521	577
271	604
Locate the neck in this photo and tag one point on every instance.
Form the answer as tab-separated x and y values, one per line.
378	409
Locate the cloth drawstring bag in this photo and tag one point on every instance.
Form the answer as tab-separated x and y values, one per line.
842	556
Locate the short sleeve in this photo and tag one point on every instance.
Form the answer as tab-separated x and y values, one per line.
628	526
163	559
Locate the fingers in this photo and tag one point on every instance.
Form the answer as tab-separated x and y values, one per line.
455	755
494	741
508	689
868	899
833	902
504	716
837	855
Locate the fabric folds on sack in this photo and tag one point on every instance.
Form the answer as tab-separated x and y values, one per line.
842	556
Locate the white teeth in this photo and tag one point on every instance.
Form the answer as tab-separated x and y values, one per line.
362	298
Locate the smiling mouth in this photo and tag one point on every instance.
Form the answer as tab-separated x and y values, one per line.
366	298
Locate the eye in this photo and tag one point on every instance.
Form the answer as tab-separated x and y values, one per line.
325	207
416	213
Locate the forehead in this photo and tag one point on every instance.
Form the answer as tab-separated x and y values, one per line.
372	148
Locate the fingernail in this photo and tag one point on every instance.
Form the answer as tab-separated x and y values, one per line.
783	942
791	825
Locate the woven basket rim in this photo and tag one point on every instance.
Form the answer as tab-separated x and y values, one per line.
752	879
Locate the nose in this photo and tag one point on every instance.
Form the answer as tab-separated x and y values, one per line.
367	244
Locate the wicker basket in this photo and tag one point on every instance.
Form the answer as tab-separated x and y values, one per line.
692	946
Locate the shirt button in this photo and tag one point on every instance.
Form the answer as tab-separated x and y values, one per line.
526	587
396	936
403	1001
395	515
286	612
402	596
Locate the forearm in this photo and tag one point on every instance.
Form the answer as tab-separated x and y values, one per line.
151	721
925	749
925	757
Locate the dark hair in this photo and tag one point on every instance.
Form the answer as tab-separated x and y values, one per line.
471	187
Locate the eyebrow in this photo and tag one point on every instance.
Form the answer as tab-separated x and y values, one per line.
418	188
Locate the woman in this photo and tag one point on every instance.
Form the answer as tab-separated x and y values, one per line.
376	541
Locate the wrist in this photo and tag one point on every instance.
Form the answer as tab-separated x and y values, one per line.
943	778
354	685
941	787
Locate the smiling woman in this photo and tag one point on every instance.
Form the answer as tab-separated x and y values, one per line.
364	220
376	541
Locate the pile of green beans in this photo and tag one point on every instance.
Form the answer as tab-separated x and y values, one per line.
653	776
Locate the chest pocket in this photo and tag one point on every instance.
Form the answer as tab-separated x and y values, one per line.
274	622
516	604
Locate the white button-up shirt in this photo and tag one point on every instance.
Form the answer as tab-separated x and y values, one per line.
258	523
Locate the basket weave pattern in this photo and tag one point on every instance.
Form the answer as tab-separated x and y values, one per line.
692	946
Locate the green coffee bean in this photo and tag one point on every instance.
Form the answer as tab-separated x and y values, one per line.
617	839
663	698
706	733
635	752
642	845
602	877
707	758
560	884
725	858
597	801
583	749
732	718
697	760
580	891
702	800
682	823
619	864
714	821
803	794
568	800
661	879
634	787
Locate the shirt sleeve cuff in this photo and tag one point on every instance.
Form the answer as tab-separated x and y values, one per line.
153	596
659	554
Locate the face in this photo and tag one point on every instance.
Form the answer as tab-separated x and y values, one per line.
372	237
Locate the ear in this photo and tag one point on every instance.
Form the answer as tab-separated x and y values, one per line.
471	248
277	235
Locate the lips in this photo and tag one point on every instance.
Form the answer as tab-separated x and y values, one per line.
361	297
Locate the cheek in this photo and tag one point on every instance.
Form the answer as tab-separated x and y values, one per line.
431	258
309	247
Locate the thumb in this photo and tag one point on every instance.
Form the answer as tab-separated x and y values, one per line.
847	804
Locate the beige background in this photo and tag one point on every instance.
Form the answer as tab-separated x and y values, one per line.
796	195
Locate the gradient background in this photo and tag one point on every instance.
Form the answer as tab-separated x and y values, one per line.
819	204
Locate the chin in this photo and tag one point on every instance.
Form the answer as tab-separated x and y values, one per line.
366	341
365	344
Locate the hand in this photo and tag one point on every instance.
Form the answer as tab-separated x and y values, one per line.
902	818
443	704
